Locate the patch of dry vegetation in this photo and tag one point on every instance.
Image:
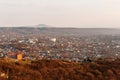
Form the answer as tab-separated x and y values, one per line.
59	70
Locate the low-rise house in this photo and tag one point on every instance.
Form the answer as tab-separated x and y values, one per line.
1	55
19	56
15	55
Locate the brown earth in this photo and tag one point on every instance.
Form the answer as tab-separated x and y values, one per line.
60	70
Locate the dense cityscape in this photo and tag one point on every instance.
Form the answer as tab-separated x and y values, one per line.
59	39
57	46
68	53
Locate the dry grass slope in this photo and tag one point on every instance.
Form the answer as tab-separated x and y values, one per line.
59	70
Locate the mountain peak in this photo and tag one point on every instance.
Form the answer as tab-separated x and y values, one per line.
42	25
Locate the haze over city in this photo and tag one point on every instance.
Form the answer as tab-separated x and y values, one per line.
60	13
59	40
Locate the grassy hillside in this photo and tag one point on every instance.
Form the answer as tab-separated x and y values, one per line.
59	70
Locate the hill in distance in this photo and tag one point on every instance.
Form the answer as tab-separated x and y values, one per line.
46	29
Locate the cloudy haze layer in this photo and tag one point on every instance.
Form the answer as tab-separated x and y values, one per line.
61	13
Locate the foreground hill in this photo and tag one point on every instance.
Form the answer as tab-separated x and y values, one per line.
59	70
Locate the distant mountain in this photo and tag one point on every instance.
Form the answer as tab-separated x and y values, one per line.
42	26
48	30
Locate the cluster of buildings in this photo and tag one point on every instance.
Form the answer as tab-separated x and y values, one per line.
71	48
13	55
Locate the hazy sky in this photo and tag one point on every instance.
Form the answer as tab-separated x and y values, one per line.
79	13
